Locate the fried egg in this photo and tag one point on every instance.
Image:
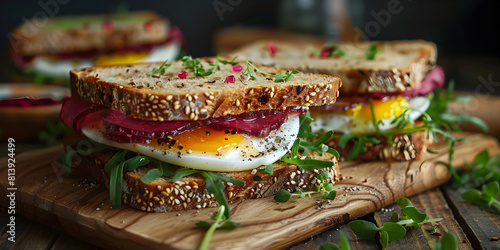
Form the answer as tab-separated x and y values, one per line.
359	119
215	150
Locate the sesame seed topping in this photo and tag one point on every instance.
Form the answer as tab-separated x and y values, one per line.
187	110
169	97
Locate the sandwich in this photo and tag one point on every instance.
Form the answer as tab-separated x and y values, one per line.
387	87
48	52
195	133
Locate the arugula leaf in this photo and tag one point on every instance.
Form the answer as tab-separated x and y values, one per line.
161	70
372	51
216	225
487	198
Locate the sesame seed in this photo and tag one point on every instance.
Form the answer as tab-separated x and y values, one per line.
160	118
312	93
184	205
169	97
156	198
251	92
163	101
307	98
146	114
237	103
187	110
191	116
208	102
139	200
151	98
211	97
150	195
190	99
198	206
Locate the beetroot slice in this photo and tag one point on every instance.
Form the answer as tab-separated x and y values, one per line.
74	109
118	122
258	123
433	80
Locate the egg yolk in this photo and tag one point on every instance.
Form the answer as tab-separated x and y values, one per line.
205	139
120	58
383	109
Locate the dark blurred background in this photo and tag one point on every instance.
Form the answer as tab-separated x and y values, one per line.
464	31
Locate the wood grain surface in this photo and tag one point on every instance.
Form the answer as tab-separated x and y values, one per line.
84	211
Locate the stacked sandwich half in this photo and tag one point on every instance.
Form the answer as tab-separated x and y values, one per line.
185	134
386	88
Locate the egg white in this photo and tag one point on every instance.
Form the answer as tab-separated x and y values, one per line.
270	149
353	125
60	68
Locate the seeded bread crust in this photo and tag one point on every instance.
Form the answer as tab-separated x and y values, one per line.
407	147
401	65
131	91
162	195
29	39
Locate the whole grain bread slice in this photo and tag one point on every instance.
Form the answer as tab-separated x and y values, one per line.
89	33
163	195
400	65
132	91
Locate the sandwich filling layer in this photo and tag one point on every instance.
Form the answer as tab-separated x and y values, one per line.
233	143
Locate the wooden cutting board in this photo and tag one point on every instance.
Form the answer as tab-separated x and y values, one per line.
84	211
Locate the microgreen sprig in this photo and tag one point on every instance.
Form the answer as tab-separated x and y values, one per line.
162	69
487	198
394	229
344	244
447	242
484	170
325	187
213	183
220	222
215	66
303	144
195	65
283	78
267	169
372	51
249	74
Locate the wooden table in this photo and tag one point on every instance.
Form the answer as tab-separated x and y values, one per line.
473	227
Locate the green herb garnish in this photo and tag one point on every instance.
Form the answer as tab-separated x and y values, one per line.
486	199
325	187
372	51
248	73
344	244
267	170
213	183
447	242
161	70
302	144
283	78
219	218
390	231
394	229
195	65
215	66
485	170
